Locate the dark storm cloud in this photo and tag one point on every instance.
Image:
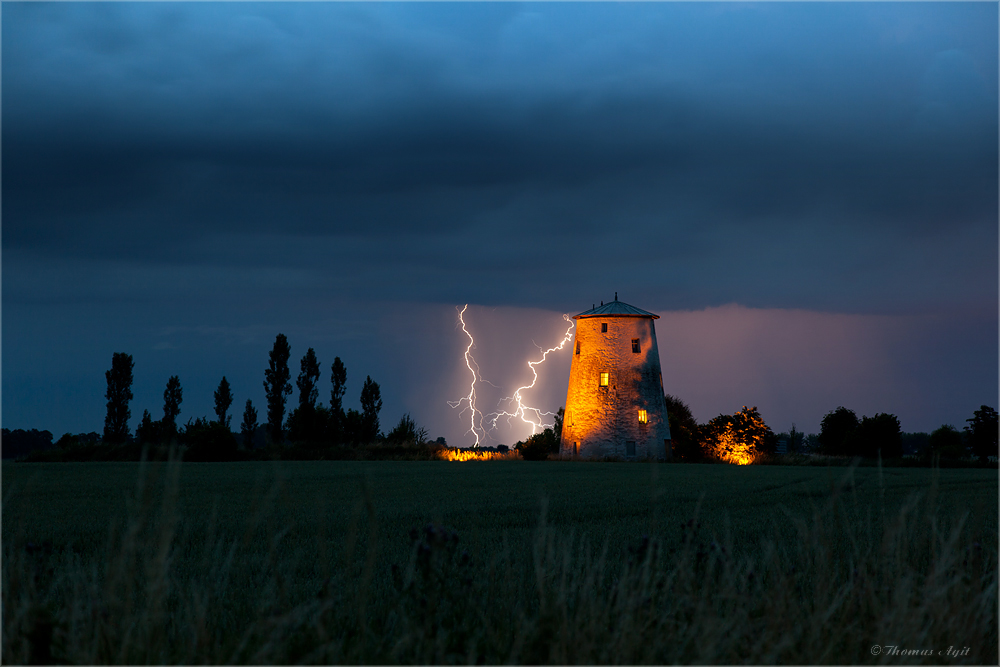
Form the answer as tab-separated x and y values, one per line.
182	181
466	135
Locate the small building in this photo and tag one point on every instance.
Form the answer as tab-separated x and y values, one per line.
614	401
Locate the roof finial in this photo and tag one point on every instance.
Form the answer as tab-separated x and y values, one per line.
616	296
602	303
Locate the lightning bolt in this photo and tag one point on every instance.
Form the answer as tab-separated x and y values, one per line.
471	398
523	410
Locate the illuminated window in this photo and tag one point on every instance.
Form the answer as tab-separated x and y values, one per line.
630	448
578	347
604	327
635	345
604	379
642	417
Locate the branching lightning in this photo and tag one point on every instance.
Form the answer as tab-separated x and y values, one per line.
521	410
473	367
528	414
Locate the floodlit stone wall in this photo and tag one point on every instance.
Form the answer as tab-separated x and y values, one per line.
601	420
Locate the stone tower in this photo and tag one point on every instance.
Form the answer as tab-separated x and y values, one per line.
614	402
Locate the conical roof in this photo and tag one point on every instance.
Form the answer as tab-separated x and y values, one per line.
616	308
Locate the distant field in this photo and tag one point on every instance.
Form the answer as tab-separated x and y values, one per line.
288	527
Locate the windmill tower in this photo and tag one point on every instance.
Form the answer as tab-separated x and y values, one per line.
614	402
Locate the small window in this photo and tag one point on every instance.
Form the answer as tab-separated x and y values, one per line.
578	347
604	379
643	418
604	327
635	345
630	448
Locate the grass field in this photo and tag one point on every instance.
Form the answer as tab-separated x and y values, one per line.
496	562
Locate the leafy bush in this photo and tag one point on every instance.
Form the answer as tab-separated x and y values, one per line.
208	441
538	446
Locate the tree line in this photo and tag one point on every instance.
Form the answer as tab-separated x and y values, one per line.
842	433
309	424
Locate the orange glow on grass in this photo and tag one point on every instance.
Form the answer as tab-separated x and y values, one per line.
477	455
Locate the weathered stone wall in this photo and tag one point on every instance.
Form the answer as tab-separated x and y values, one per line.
599	421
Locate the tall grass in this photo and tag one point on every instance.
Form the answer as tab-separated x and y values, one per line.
158	592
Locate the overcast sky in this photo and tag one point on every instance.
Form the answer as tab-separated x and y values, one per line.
806	193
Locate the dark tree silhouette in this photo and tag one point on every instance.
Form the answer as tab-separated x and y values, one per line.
557	425
538	446
947	442
223	399
148	431
353	427
308	377
875	434
338	380
277	385
981	433
119	394
685	439
406	431
837	430
249	424
306	422
172	397
371	404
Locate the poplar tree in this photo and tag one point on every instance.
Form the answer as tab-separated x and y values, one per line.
277	385
249	424
223	399
338	379
172	397
371	404
119	393
306	382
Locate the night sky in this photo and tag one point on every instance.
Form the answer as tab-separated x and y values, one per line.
806	194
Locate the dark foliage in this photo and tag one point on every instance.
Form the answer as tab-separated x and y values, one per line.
148	431
338	381
277	385
69	440
119	394
307	423
406	431
947	442
538	446
981	433
371	405
223	399
308	377
915	444
173	395
353	428
837	431
685	437
19	442
249	424
878	434
208	441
